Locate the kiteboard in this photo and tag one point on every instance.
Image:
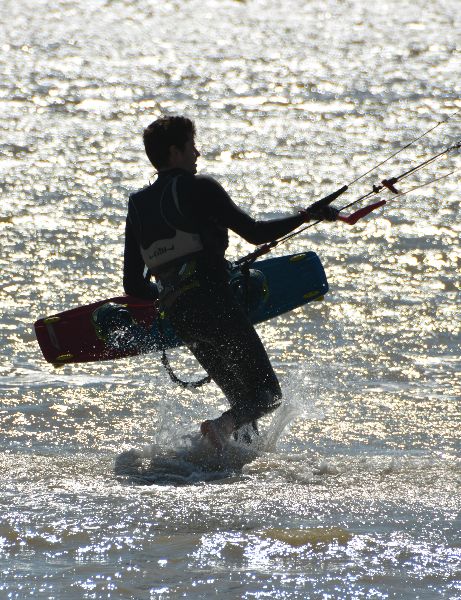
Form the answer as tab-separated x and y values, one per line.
127	326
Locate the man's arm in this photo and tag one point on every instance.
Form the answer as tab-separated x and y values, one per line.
134	282
217	204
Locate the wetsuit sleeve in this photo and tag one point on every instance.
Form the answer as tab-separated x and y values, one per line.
134	282
218	205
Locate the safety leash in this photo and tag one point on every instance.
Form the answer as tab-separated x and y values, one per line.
169	369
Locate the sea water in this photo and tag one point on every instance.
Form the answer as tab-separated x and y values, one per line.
353	490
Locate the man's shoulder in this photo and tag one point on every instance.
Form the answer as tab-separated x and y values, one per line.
209	186
141	193
207	180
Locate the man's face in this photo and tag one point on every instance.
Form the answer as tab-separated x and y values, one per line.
186	158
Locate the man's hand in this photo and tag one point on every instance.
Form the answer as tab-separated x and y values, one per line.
323	213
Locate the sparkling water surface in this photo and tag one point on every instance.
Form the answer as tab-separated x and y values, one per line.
354	490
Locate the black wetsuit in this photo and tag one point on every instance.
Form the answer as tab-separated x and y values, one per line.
194	288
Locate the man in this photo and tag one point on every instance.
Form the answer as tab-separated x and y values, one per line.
177	227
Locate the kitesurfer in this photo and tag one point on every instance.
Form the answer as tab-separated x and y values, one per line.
177	228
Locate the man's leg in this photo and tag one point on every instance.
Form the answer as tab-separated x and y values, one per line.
226	344
231	385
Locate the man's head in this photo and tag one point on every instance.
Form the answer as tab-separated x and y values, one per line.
169	144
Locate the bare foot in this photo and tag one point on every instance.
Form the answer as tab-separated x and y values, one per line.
217	431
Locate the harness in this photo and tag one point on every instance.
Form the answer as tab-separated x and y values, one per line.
184	242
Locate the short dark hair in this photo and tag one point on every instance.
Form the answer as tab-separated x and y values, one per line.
163	133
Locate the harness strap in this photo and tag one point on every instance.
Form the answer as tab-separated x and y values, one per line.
246	281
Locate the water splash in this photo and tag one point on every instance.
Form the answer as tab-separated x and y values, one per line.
281	422
191	460
182	457
303	392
